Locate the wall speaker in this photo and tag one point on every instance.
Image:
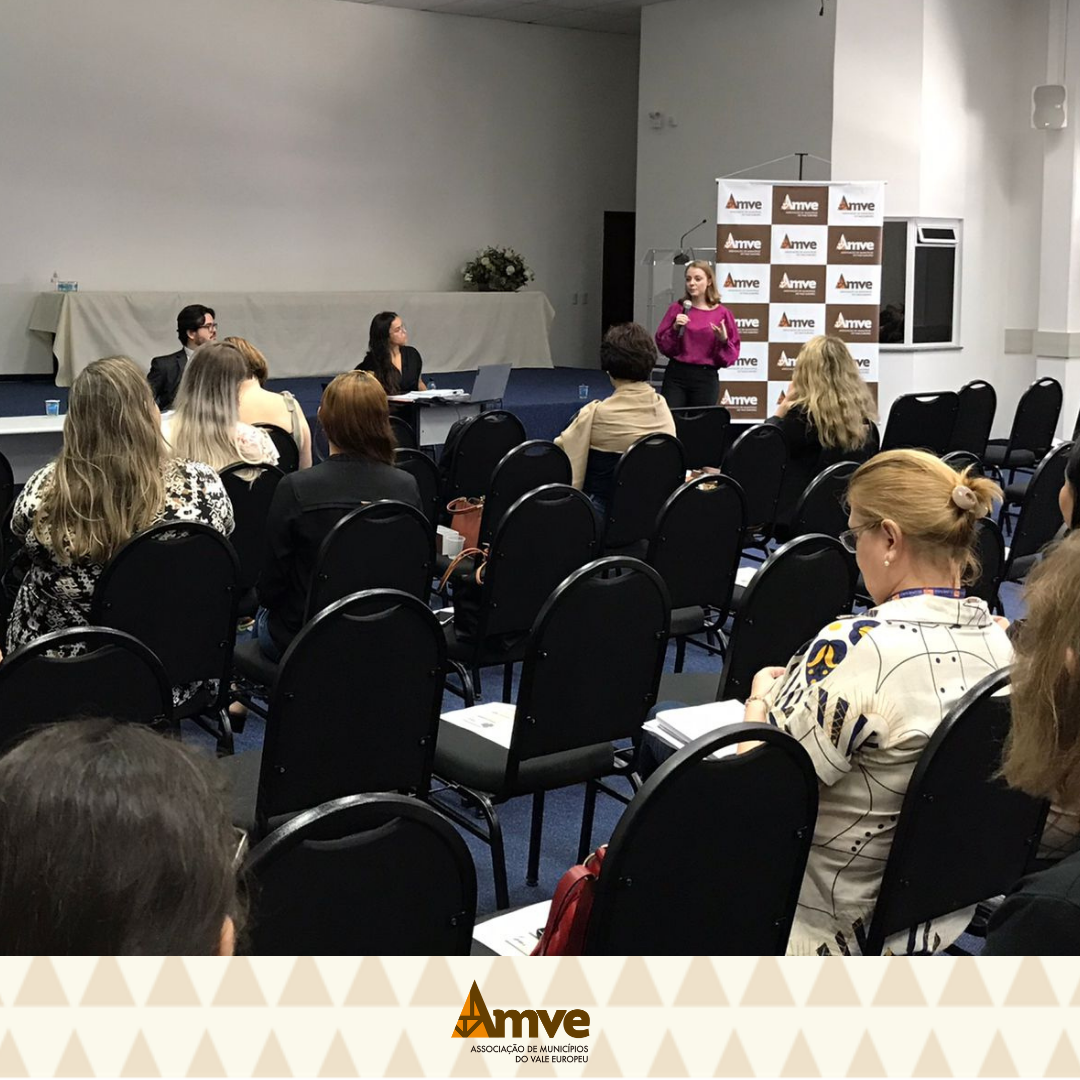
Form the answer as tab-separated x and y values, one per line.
1048	107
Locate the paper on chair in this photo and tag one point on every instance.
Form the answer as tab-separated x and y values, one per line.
492	720
677	727
516	932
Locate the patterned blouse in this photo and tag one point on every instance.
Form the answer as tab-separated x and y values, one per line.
864	700
55	596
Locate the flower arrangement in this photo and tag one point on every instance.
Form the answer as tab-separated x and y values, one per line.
495	270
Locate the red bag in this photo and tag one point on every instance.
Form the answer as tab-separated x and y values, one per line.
571	909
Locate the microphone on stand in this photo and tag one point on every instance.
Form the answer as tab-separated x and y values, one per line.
686	306
682	258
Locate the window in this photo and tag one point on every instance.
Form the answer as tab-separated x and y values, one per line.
920	294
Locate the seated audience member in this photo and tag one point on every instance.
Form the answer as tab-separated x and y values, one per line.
869	691
261	406
195	327
205	426
113	477
825	417
307	505
1069	496
390	357
1041	916
115	841
603	430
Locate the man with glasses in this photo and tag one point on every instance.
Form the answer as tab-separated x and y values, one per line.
196	325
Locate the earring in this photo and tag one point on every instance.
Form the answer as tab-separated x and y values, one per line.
886	562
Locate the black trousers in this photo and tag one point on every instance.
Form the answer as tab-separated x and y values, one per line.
689	385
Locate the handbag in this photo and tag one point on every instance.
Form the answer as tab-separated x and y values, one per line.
571	908
465	515
465	591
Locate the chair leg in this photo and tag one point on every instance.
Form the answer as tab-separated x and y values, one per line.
478	686
532	875
680	653
587	813
493	836
466	692
225	744
508	681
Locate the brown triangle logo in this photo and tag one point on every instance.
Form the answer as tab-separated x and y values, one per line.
475	1020
731	204
786	242
843	203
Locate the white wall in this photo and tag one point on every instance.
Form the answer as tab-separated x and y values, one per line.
747	82
304	145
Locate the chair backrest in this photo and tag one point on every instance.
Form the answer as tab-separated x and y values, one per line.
922	422
251	490
483	442
175	587
757	460
974	417
963	834
365	678
527	466
7	485
383	545
81	672
285	444
1040	515
404	433
959	460
698	542
364	874
650	470
702	884
425	472
593	661
990	550
800	588
1036	417
701	432
821	507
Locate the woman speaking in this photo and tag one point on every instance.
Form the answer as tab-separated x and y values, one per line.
698	336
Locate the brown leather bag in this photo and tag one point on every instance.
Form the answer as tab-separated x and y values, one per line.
465	515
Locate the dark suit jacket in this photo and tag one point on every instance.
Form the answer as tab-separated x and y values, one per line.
165	372
411	368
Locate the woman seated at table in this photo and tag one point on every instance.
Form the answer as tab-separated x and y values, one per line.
825	416
114	476
261	406
603	430
390	357
867	694
307	505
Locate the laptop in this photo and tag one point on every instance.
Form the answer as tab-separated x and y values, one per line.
490	384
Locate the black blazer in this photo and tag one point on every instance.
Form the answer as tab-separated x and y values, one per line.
411	367
165	372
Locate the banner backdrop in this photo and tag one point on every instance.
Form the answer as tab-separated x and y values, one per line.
794	260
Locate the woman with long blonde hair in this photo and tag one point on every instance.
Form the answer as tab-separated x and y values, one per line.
205	425
113	477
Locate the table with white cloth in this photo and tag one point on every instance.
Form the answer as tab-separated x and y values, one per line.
28	442
300	333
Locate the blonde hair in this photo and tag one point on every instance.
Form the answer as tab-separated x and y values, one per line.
712	293
934	506
828	387
204	425
258	368
1042	751
107	483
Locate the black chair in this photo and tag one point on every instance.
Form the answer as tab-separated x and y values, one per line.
696	550
974	417
922	422
701	432
801	587
1039	520
285	444
1033	427
990	550
963	835
250	489
821	507
756	461
404	433
7	486
354	708
965	459
591	669
81	672
673	884
422	468
482	442
527	466
541	540
175	587
645	476
365	874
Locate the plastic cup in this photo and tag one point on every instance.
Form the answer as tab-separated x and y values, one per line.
452	544
52	407
583	392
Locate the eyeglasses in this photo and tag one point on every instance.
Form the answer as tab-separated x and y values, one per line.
208	326
850	537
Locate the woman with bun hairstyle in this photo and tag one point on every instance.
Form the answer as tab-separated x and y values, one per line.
698	336
867	694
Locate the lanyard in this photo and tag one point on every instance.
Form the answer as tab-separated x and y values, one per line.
951	594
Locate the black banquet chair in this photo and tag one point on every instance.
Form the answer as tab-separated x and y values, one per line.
403	432
963	835
285	444
741	896
1039	520
481	443
425	472
645	475
959	460
81	672
922	422
821	507
702	432
367	874
1033	427
526	467
974	417
250	489
756	461
990	549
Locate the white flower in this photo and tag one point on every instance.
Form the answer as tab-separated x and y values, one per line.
509	269
468	277
485	261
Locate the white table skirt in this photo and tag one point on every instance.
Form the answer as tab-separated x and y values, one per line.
301	334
